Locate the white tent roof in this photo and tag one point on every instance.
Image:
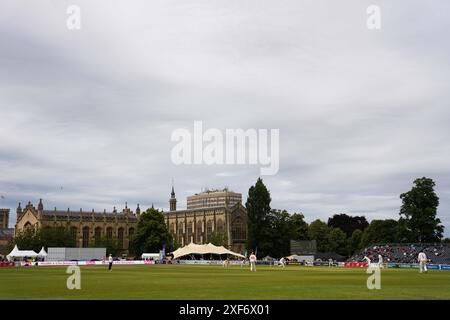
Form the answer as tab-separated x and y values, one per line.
150	255
42	253
203	249
16	253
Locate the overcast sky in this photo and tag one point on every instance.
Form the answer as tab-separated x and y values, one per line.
361	112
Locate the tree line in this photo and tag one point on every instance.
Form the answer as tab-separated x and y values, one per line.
271	230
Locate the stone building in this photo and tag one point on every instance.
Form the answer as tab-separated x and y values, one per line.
6	233
86	227
4	218
219	211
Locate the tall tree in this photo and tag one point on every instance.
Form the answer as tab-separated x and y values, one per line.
319	231
419	210
354	242
276	234
337	242
347	223
151	233
380	232
258	207
299	227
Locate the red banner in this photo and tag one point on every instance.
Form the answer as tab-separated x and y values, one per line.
355	264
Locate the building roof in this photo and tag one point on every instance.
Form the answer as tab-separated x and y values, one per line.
81	213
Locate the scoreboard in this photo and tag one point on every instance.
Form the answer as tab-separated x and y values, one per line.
303	247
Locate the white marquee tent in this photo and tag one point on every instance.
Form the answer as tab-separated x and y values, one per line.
16	253
42	253
203	249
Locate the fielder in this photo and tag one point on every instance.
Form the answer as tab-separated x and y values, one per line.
252	262
282	262
110	260
422	261
380	261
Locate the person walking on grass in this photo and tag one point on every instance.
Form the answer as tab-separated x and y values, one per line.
110	260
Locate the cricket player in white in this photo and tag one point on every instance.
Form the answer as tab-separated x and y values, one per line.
422	261
380	261
252	262
282	262
368	260
110	261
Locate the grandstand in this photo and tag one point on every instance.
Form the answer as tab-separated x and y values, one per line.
405	253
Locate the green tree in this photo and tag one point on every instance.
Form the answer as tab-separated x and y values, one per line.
337	241
35	239
59	236
299	227
26	240
380	232
276	234
112	246
354	242
347	223
319	231
219	238
419	209
258	207
151	233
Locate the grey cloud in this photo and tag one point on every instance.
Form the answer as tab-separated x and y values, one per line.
361	113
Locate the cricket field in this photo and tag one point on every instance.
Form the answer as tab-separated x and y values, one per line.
196	282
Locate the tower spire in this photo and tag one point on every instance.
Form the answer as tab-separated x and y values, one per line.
173	199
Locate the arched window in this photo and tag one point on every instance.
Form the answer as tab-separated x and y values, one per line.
238	231
109	233
85	237
180	233
130	236
189	232
208	230
27	225
73	231
120	237
199	232
130	232
220	226
97	235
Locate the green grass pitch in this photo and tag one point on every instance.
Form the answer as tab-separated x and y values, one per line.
216	282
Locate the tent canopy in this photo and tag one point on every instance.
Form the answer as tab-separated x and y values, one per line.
42	253
151	255
299	258
268	258
16	253
203	249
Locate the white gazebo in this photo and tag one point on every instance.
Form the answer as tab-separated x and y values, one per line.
42	253
16	253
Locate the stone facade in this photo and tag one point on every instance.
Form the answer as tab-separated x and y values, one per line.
86	227
6	233
197	225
